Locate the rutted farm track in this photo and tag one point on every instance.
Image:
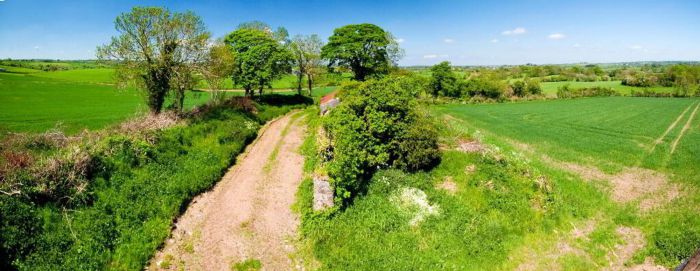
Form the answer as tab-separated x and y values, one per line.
247	215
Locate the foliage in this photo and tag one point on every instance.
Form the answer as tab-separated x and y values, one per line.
216	66
258	59
366	49
485	87
156	47
443	81
307	55
566	92
374	127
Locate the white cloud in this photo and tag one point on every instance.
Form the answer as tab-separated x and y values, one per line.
556	36
494	41
577	45
636	47
36	46
516	31
431	56
400	40
448	40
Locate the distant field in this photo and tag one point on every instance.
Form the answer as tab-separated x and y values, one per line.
550	88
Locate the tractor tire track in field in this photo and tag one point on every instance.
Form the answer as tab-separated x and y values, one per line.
685	128
670	128
247	216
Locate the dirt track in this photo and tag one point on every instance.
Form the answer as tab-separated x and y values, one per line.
247	215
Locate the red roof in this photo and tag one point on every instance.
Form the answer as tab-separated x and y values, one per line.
328	97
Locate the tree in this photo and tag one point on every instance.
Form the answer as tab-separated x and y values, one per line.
443	80
216	66
307	57
534	87
518	88
258	59
280	34
154	44
366	49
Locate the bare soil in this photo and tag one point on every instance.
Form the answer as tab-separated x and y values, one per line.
247	215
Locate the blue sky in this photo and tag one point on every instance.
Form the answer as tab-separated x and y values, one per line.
463	32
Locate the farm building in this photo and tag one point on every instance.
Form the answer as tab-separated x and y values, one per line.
329	101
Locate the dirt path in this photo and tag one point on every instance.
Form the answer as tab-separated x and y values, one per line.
247	216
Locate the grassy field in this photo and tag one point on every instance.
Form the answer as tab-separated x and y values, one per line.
76	99
550	88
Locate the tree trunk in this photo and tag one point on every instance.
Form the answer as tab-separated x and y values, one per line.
310	82
180	99
300	78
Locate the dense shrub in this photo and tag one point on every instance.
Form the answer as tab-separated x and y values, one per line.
377	126
493	89
526	87
567	92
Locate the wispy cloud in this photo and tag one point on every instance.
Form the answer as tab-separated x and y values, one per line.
576	45
35	46
431	56
636	47
448	40
400	40
516	31
556	36
494	41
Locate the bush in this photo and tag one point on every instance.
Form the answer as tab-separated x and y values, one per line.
377	125
493	89
566	92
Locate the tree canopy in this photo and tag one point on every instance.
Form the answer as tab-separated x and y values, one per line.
156	50
258	58
366	49
307	57
444	81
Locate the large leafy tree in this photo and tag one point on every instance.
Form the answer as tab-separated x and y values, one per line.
307	58
366	49
216	66
258	58
156	50
443	80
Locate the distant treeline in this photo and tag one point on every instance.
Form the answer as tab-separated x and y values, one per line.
53	65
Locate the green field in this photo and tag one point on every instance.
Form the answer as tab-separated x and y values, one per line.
550	88
69	100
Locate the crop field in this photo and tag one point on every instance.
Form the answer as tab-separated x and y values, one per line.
550	88
641	154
